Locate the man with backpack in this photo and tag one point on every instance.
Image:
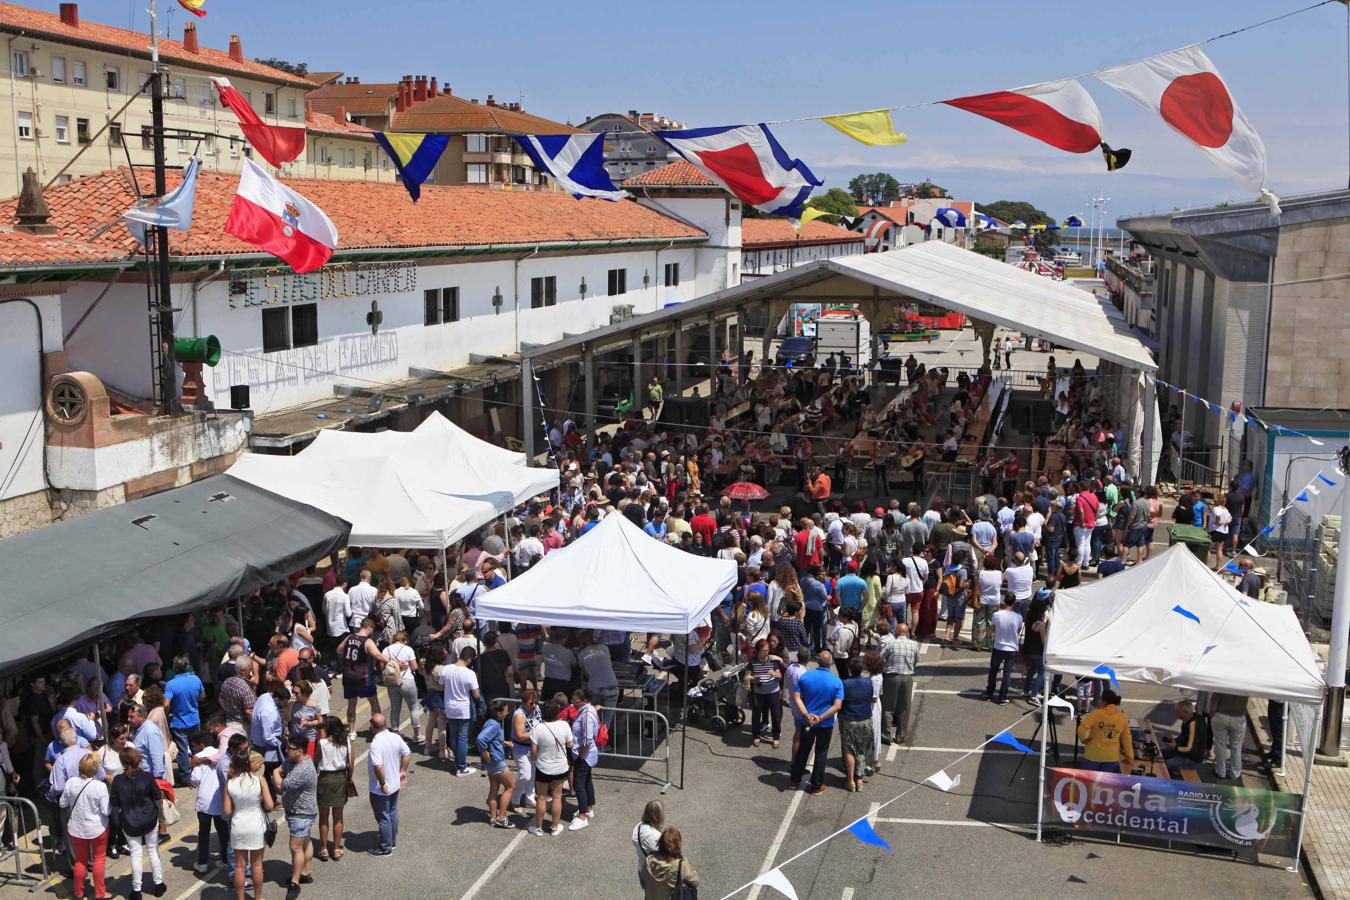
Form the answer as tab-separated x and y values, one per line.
359	656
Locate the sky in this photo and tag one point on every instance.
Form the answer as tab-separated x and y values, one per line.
728	63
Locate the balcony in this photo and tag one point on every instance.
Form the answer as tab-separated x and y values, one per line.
522	159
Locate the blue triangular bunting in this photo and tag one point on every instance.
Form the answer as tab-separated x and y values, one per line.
1109	672
1183	611
1004	737
863	831
1325	480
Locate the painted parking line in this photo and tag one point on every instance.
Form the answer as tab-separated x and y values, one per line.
495	866
778	839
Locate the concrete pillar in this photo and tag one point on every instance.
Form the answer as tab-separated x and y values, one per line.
680	359
768	333
529	426
588	384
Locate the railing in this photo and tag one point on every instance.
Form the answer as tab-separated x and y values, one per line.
634	734
20	815
1298	567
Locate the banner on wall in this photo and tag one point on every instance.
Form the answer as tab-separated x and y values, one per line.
1224	816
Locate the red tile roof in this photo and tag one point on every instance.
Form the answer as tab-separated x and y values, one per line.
898	215
368	215
446	112
677	174
20	250
38	24
322	78
325	124
757	233
357	99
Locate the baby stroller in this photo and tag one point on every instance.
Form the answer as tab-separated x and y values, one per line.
713	699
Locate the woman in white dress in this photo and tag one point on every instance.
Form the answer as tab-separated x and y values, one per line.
245	799
874	666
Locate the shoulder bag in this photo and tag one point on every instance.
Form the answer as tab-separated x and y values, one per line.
682	891
351	783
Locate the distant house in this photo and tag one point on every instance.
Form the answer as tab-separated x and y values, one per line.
630	147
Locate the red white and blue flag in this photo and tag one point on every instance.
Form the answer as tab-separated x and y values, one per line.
749	162
274	218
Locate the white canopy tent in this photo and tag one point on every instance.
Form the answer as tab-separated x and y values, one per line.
1173	621
387	505
1128	622
615	577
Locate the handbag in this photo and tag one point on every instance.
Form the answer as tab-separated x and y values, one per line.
351	784
169	814
683	891
270	831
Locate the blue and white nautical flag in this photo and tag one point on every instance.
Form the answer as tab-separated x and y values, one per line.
575	161
173	210
952	218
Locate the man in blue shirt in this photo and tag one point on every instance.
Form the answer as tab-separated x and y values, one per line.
818	699
184	692
264	729
148	740
815	596
851	589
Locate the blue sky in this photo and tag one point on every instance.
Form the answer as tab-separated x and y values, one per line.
719	63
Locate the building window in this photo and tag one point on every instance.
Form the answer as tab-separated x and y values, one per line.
208	95
210	143
82	130
351	159
79	74
63	129
59	69
112	78
248	150
291	108
672	274
182	144
441	305
305	325
115	133
179	90
147	138
477	173
234	147
26	126
618	282
19	65
477	143
285	327
269	103
543	291
365	160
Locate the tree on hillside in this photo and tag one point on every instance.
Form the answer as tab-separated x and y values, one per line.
835	200
877	189
1011	210
294	68
925	190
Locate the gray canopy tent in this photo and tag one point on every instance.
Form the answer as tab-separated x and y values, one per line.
174	552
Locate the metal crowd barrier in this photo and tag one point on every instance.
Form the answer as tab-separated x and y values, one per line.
23	819
641	735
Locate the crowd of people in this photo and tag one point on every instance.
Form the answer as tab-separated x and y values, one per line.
832	604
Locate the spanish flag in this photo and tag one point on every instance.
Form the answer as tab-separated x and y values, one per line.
193	6
414	156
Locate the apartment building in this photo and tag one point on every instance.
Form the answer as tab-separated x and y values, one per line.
480	149
773	245
339	149
72	83
630	147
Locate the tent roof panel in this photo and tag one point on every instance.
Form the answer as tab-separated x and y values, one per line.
180	550
616	576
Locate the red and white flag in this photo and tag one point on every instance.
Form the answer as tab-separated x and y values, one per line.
272	217
275	143
1185	89
1060	113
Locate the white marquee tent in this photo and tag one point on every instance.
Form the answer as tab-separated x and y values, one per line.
615	577
1172	621
1129	622
425	488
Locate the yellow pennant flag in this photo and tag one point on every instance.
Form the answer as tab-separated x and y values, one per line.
872	127
810	214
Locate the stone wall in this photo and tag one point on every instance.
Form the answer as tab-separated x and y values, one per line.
1310	318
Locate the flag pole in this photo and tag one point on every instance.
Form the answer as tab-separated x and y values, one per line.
168	399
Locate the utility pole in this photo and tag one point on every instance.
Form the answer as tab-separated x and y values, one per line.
168	399
1330	739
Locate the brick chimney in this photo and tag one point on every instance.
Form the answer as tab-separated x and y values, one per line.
236	48
431	91
33	213
490	101
190	38
401	101
340	114
445	88
70	14
309	110
420	89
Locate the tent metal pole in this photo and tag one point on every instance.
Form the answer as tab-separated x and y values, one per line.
102	681
684	720
1309	756
1045	737
506	534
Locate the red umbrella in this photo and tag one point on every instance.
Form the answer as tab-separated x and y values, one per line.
745	490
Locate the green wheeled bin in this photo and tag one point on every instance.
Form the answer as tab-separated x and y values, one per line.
1195	538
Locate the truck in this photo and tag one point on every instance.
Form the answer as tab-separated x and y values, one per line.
850	336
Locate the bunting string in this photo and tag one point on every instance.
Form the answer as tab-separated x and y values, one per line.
1233	416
